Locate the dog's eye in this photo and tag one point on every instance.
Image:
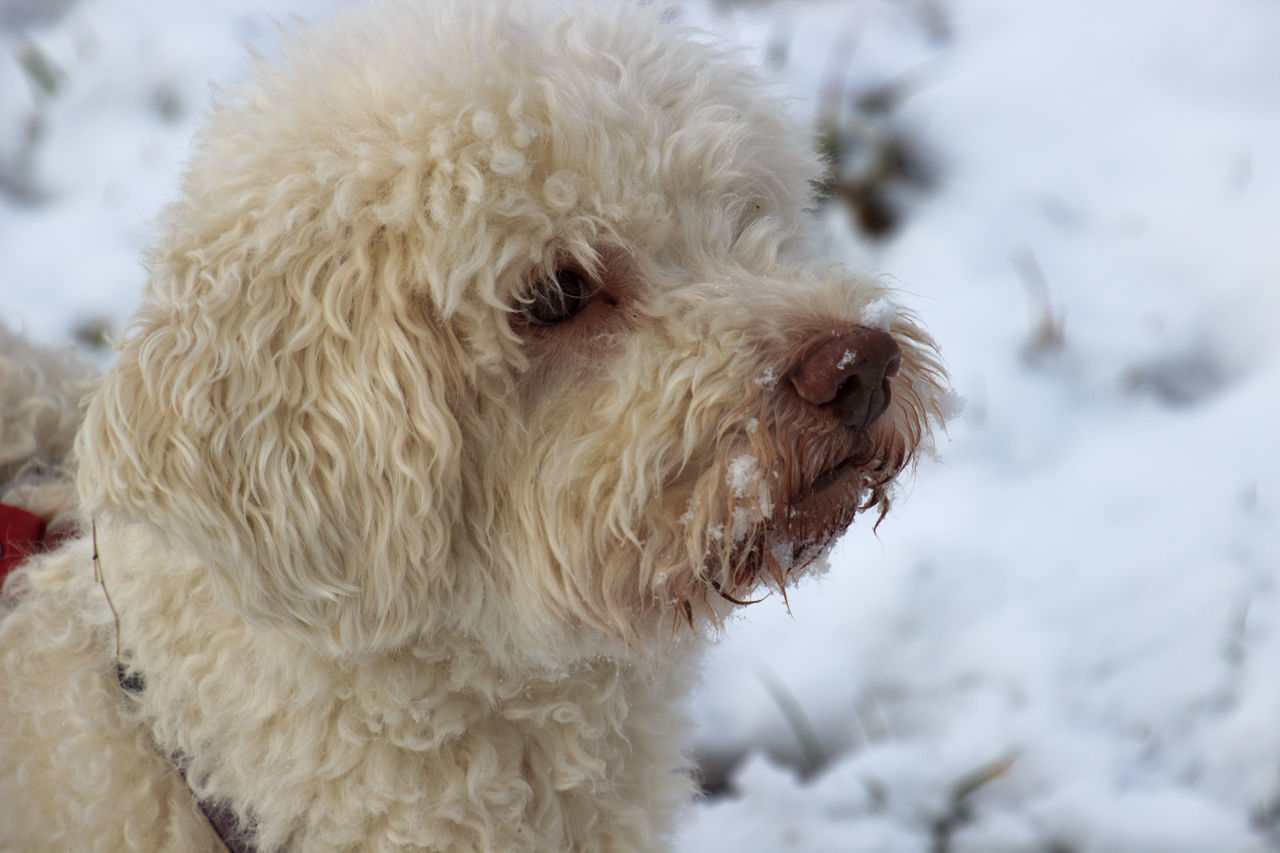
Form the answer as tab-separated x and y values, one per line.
557	298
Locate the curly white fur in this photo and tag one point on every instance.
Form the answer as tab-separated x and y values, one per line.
399	570
40	393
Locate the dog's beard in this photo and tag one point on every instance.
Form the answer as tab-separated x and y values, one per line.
820	484
769	529
813	479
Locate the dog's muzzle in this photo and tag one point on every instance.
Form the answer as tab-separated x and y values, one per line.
832	457
842	381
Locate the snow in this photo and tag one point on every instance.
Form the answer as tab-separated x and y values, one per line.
1084	584
880	314
746	481
1066	634
743	474
768	379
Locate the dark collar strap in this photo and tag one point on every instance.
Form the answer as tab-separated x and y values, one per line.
220	817
224	824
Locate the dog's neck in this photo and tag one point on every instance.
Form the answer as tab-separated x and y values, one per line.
265	719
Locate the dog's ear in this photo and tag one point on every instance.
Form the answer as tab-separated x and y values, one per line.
287	417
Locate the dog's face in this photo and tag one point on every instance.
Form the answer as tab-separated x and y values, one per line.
501	321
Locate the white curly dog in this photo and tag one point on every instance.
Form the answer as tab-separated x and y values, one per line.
482	370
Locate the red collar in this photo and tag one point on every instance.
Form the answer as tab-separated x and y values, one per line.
21	534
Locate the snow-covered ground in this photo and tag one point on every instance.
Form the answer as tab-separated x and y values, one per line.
1066	636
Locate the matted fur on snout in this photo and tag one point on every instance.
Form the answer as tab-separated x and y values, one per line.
483	368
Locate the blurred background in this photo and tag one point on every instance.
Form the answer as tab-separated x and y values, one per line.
1065	637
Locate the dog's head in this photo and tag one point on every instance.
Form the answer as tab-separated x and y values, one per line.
498	318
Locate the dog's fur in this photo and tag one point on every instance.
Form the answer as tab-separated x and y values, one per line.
394	566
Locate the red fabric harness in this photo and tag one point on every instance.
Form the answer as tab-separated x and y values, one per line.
21	534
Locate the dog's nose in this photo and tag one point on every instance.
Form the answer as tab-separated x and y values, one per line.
848	372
